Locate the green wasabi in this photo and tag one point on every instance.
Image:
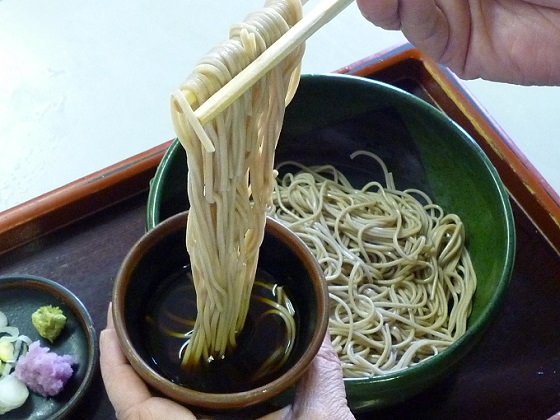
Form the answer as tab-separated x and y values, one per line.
49	321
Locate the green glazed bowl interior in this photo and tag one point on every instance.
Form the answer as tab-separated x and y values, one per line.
330	117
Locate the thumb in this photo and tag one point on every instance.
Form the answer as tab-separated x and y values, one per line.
320	394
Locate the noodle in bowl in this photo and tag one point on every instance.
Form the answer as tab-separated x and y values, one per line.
333	116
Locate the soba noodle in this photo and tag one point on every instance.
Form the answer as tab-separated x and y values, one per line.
400	279
230	177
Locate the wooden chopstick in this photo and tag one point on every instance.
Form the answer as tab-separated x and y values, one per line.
295	36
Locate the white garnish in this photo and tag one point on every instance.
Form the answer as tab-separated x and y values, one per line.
13	393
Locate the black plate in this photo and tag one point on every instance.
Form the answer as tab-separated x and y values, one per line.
20	296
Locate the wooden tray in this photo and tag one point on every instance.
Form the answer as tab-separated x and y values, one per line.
78	235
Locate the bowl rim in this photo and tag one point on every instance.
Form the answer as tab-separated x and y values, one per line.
206	399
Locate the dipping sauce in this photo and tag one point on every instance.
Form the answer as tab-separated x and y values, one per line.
263	346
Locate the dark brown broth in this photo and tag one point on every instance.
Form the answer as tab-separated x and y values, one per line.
170	318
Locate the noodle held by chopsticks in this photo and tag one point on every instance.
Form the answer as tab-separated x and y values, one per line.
231	173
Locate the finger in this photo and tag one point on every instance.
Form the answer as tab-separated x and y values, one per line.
441	29
321	393
425	24
124	387
421	21
417	19
384	14
110	324
282	414
547	3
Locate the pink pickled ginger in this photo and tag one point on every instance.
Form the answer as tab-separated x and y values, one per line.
44	372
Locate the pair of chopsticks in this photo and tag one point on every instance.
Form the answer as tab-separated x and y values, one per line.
295	36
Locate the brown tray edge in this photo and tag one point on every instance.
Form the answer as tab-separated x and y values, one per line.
78	199
123	180
524	183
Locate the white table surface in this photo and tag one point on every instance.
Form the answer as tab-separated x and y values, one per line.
85	84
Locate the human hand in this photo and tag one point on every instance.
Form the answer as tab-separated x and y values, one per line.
512	41
319	394
127	392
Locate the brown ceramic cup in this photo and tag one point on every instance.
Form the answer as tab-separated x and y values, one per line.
161	251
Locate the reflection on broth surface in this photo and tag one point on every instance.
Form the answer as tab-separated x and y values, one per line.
263	346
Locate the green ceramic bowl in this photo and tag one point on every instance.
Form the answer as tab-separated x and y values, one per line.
332	116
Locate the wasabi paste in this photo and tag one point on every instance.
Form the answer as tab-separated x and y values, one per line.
49	321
